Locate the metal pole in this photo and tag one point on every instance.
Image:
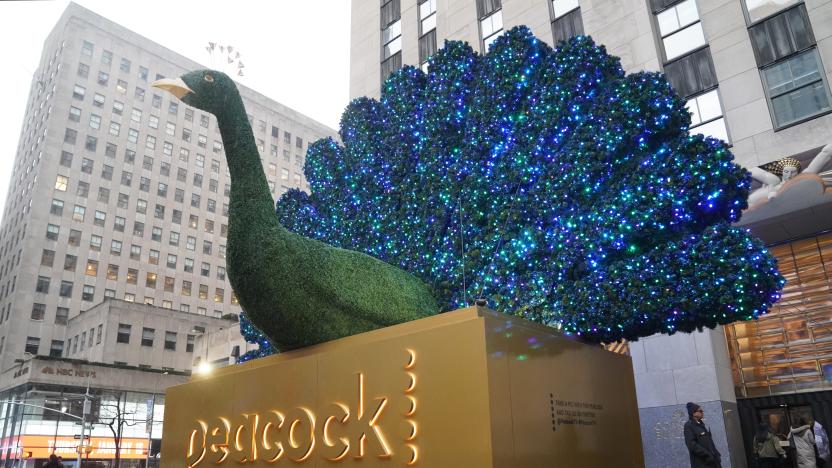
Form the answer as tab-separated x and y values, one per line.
84	422
10	409
150	429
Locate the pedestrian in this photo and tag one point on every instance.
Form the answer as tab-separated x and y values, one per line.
767	448
53	462
822	443
703	452
804	444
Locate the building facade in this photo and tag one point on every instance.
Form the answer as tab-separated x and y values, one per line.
755	73
123	356
121	191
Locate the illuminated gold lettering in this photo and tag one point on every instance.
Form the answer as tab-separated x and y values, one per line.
267	439
196	444
219	439
301	434
245	449
335	449
366	429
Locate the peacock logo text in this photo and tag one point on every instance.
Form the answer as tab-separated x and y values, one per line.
337	433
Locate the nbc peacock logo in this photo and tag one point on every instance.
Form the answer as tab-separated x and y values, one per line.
339	432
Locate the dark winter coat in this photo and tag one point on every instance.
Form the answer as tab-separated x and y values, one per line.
703	452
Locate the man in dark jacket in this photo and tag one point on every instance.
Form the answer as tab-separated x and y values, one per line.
703	452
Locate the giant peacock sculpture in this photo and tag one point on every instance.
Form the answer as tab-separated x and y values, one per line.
545	181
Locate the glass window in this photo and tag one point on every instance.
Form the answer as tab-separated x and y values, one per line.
74	114
70	261
78	92
759	9
170	341
112	272
87	48
132	276
61	315
38	311
492	28
123	333
87	292
32	344
83	189
61	183
680	29
42	285
52	231
115	247
796	88
66	289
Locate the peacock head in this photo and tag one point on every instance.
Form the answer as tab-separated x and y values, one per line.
208	90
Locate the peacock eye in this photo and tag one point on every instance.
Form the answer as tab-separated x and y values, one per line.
209	78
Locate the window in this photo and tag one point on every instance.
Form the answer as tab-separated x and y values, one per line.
171	263
66	289
139	94
191	243
213	185
112	272
52	231
207	247
193	221
66	157
186	288
129	297
218	146
203	120
150	142
32	344
205	270
115	247
106	57
176	217
174	238
91	144
118	107
132	276
212	208
143	73
57	348
83	189
170	281
92	268
164	169
136	115
78	92
70	136
115	130
147	163
95	243
150	280
202	141
284	174
123	200
123	335
74	237
83	70
153	257
87	165
706	116
759	9
141	206
87	48
88	293
219	295
47	257
491	23
74	114
156	233
200	160
125	65
107	173
103	78
391	44
197	180
78	212
118	224
566	20
61	182
42	285
173	108
156	101
135	252
170	341
100	218
189	265
144	184
203	291
126	178
195	200
121	87
796	88
57	208
680	29
189	343
98	333
132	135
184	154
98	100
38	311
61	315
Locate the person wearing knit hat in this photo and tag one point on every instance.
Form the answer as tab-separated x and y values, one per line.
703	452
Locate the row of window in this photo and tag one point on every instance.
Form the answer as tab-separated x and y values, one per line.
125	65
88	292
71	262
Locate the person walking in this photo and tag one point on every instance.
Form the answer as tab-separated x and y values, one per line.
822	443
53	462
703	452
767	448
804	444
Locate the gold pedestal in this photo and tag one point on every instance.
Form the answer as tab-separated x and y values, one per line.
465	389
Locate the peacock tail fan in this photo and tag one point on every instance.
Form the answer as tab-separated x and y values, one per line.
547	181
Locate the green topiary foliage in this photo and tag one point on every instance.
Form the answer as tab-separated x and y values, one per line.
296	290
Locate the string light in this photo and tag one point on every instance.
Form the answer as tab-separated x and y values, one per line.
586	205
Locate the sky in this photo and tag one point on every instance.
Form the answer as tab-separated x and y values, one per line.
295	51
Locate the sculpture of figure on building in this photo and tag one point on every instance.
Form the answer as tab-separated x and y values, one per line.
775	174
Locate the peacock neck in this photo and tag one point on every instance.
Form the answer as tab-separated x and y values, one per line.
250	199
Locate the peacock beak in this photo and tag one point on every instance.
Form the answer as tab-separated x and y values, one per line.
175	86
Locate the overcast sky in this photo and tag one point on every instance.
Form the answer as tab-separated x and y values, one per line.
295	51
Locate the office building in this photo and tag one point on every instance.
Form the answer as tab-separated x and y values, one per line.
754	73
